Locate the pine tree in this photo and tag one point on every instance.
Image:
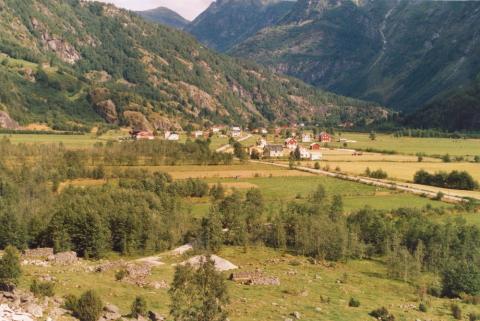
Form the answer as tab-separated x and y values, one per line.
211	235
336	209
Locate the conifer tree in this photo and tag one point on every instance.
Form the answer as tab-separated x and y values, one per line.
10	270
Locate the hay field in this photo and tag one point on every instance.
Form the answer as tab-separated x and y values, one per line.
413	145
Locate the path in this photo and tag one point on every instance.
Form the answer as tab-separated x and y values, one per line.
410	188
224	147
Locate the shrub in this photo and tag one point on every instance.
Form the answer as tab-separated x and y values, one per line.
456	311
382	314
42	289
317	165
434	291
461	278
139	307
378	174
470	299
88	307
10	270
354	303
71	302
120	274
439	196
422	307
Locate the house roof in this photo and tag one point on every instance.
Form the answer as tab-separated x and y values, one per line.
274	148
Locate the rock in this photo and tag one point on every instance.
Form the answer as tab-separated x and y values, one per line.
107	110
6	121
34	310
296	315
318	309
154	316
137	120
288	319
9	296
220	263
182	249
111	308
65	258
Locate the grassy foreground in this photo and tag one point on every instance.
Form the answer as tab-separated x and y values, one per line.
317	291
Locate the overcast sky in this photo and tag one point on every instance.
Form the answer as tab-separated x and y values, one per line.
187	8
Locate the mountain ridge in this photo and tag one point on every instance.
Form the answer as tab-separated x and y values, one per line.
165	16
73	63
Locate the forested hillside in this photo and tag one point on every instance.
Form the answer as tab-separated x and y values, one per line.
72	63
404	54
226	23
165	17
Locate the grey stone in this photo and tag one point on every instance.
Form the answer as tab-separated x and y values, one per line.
154	316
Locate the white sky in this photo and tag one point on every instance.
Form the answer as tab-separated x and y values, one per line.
187	8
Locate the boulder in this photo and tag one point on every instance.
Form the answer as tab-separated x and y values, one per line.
107	110
154	316
220	263
65	258
34	310
110	308
296	315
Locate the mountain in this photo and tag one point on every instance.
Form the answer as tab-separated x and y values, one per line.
72	64
165	17
401	53
457	110
228	22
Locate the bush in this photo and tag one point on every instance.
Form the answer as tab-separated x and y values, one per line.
317	165
42	289
422	307
382	314
120	274
354	303
461	278
88	307
378	174
70	303
10	270
455	180
456	311
139	307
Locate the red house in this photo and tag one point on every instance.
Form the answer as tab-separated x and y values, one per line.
325	137
142	135
315	146
291	143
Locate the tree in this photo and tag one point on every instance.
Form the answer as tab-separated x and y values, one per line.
239	151
139	307
88	307
198	295
211	235
461	277
319	195
10	270
297	154
336	209
373	135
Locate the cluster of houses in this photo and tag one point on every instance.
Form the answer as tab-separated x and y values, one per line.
234	131
290	145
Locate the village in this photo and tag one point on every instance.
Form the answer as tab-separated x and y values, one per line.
276	143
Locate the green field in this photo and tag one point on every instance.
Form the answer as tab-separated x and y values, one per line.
410	145
316	291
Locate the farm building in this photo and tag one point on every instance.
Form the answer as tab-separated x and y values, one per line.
315	146
306	138
142	135
197	134
172	136
236	132
325	137
304	153
291	143
273	151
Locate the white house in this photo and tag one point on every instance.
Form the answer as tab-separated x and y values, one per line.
304	153
197	134
173	137
273	151
236	131
307	138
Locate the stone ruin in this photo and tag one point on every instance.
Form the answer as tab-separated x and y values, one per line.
46	256
256	277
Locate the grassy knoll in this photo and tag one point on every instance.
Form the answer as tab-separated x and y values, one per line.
317	291
413	145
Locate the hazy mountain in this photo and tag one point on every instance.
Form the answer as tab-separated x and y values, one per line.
402	53
165	16
72	62
228	22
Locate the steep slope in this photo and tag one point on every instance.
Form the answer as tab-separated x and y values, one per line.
458	110
165	17
402	53
71	63
228	22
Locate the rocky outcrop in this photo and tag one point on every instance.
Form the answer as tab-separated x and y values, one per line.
256	277
137	120
107	110
7	122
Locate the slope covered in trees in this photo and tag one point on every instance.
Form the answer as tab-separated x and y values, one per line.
72	63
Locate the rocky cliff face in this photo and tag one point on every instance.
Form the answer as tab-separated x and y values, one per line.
402	53
7	122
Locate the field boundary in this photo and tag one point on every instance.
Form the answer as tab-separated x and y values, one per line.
447	197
